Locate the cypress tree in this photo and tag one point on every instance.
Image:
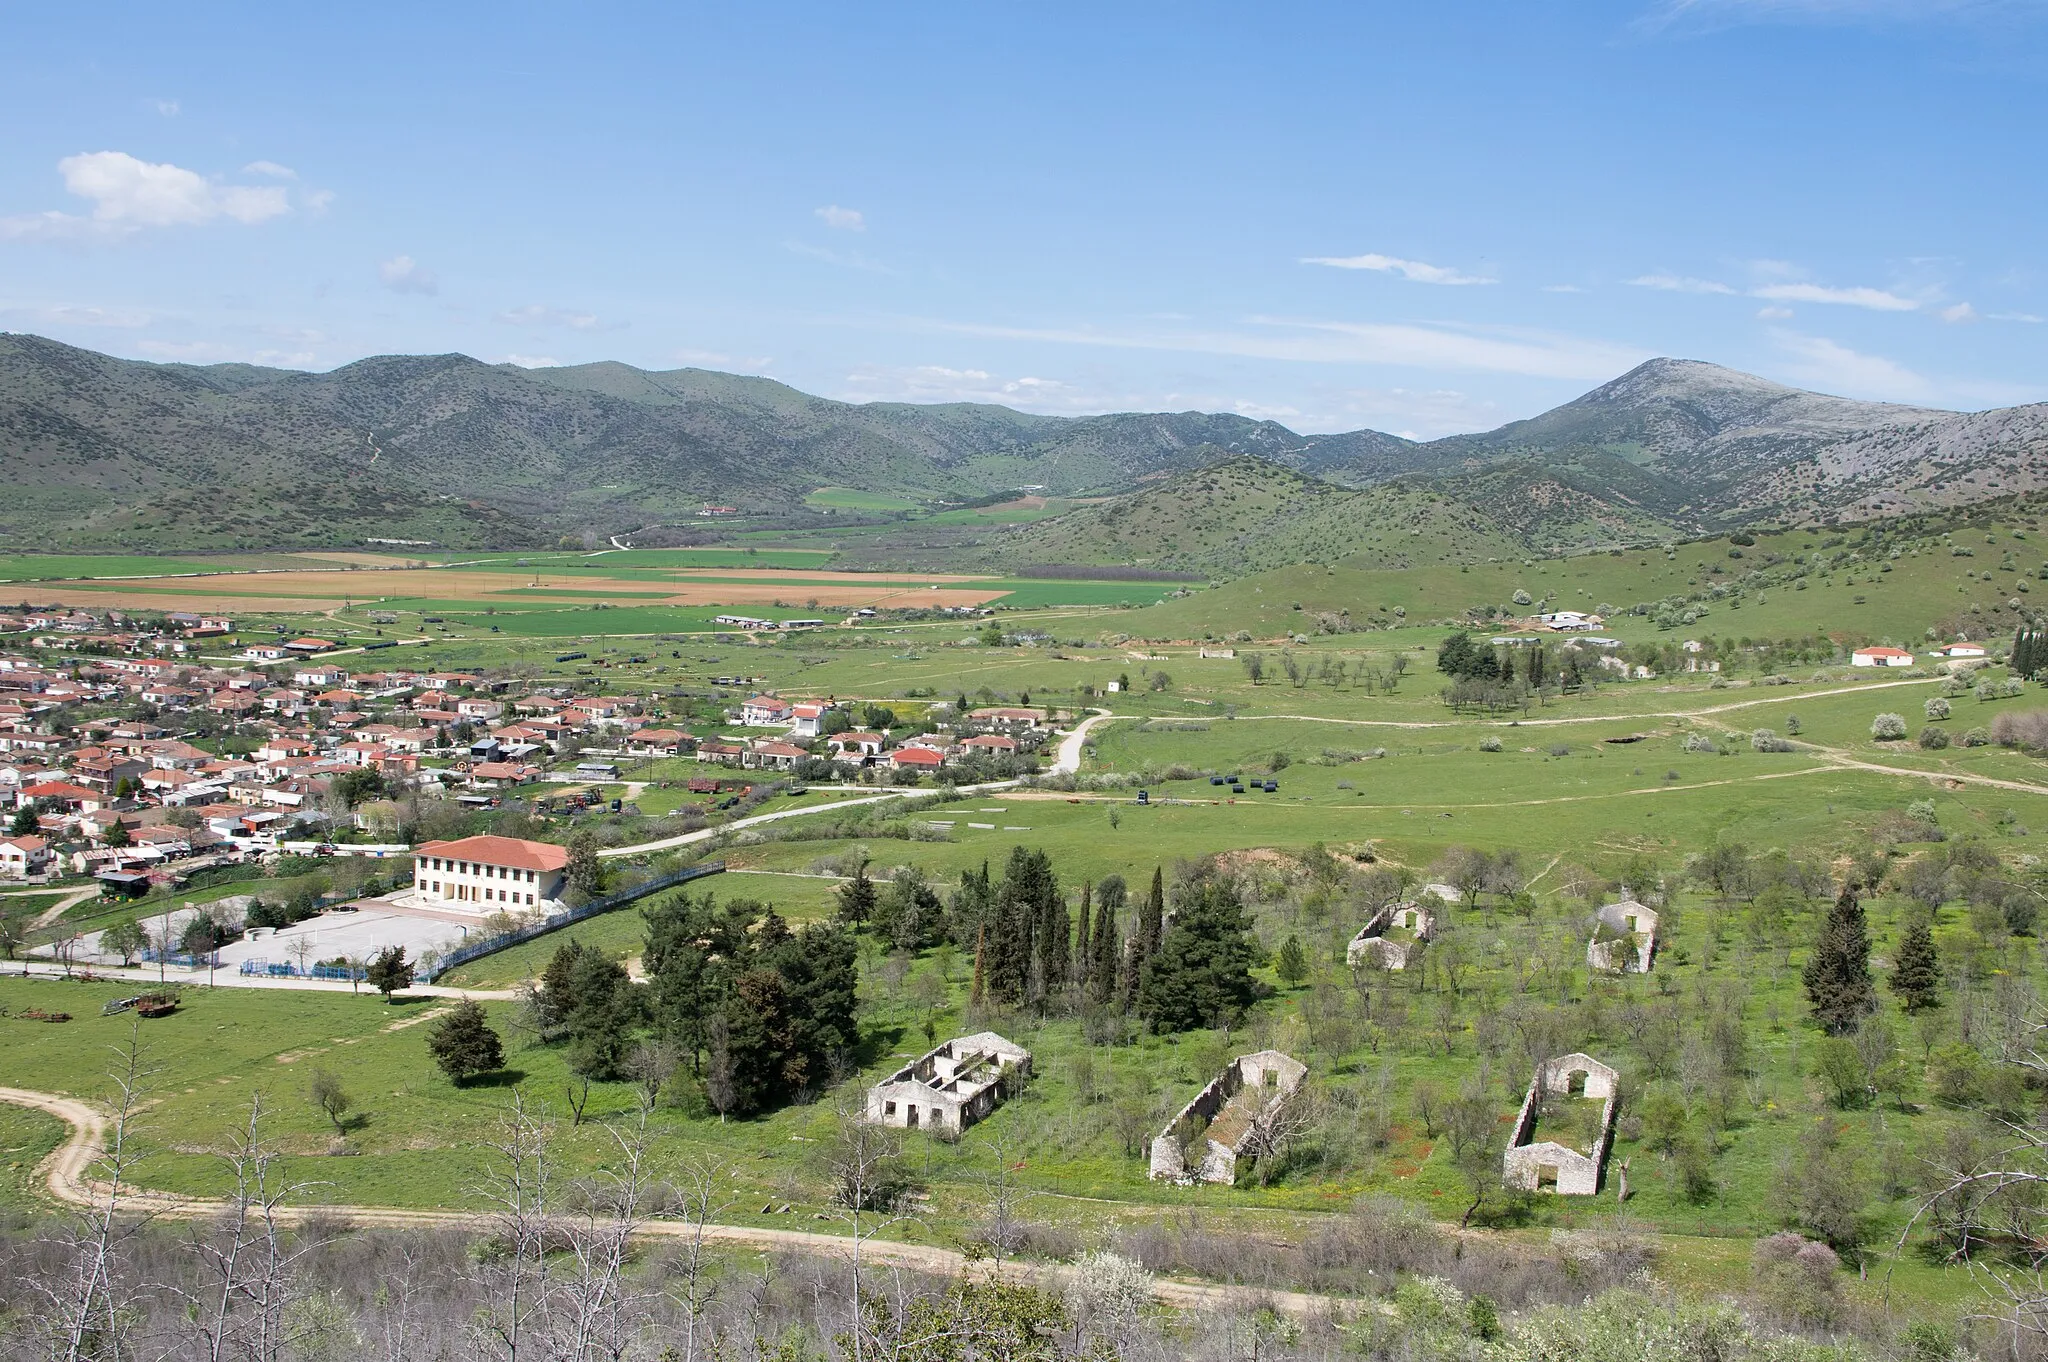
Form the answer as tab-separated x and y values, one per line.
1837	974
1084	943
974	997
1916	971
1106	949
1152	921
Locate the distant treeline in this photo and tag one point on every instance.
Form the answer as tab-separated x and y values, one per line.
1093	572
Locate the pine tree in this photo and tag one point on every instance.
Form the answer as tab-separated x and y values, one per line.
1838	973
1292	964
464	1044
1916	970
1201	975
857	897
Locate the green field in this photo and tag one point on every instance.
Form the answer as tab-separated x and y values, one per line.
852	499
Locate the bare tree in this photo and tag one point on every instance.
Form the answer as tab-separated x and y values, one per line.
514	1280
594	1311
867	1179
249	1268
88	1315
1279	1125
704	1188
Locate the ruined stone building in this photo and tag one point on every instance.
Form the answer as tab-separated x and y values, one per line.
1559	1103
1392	934
1204	1140
1624	938
948	1088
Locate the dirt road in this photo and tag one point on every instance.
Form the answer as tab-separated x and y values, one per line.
68	1175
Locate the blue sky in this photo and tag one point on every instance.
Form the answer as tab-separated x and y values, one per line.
1419	218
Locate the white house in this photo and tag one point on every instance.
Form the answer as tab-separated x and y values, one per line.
1961	650
807	720
21	857
765	711
489	874
1881	657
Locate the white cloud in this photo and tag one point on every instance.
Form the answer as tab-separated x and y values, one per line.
1414	271
841	219
167	108
68	314
129	194
1562	288
536	315
1711	14
1774	313
318	201
1875	299
1961	312
1832	367
2013	317
1496	350
271	169
403	274
532	361
852	260
1676	283
215	352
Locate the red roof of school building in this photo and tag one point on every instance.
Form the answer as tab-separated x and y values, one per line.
507	851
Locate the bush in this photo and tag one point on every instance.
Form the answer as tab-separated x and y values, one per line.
1489	744
1698	742
1936	707
1977	737
1933	739
1764	740
1888	727
2026	728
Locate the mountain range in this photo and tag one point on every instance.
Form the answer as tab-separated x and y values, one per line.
114	453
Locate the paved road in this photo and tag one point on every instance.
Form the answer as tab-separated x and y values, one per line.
68	1173
1066	762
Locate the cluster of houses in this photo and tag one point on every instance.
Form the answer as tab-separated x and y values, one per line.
132	800
811	728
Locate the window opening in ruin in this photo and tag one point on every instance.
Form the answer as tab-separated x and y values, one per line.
1546	1177
913	1118
1576	1084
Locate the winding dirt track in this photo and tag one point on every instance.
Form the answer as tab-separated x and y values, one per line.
68	1175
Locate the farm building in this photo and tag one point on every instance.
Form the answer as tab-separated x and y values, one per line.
1560	1101
949	1088
1205	1138
1390	936
1624	938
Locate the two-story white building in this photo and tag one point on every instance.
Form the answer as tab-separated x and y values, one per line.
490	875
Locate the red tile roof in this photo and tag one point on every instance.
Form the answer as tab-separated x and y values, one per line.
507	851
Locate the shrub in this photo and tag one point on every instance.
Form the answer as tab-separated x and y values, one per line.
1888	727
1559	749
1489	744
1936	707
1977	737
1764	740
1698	742
1933	739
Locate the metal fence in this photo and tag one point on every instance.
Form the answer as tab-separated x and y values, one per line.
462	955
285	969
